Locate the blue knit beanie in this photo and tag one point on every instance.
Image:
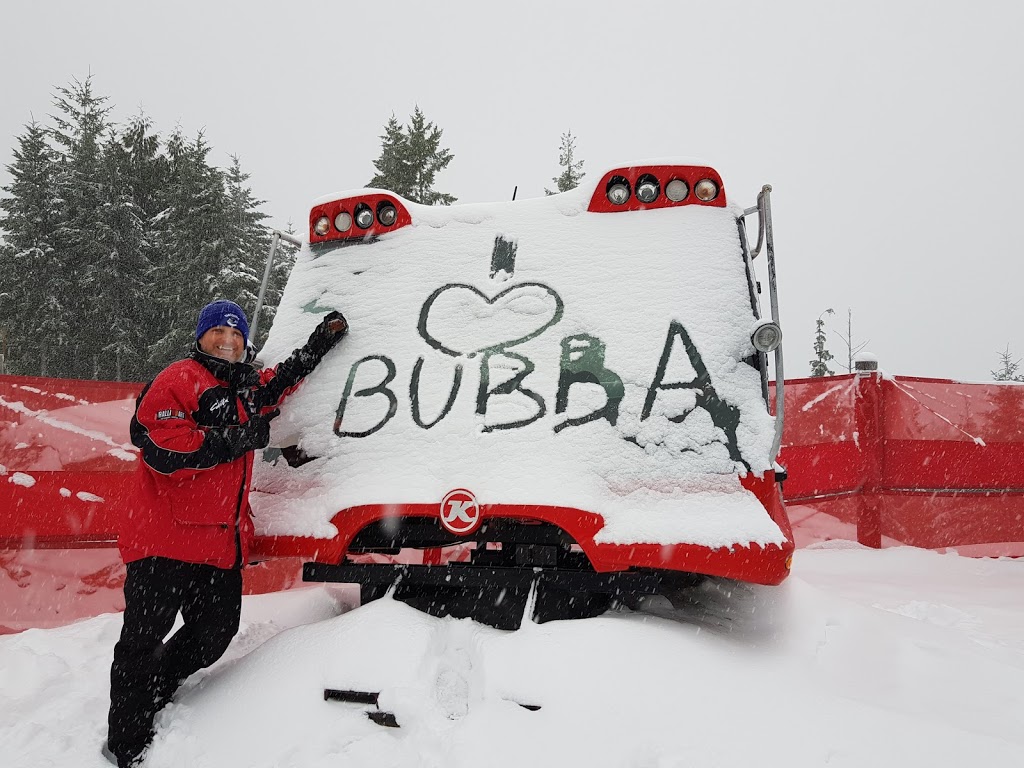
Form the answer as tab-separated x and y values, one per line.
222	312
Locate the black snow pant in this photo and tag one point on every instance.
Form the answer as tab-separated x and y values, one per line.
146	670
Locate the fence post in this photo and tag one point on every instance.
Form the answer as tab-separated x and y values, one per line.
871	435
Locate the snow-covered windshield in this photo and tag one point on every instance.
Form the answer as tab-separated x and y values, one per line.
536	353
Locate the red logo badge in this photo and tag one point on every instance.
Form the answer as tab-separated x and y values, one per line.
460	512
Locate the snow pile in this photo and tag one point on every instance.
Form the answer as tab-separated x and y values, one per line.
893	658
528	352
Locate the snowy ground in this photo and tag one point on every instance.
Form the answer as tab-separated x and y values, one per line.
898	657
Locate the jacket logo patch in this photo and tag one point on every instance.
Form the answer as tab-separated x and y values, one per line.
169	414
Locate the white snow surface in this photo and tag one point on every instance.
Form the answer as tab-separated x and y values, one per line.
423	298
897	657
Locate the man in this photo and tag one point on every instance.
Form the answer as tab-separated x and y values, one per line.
187	537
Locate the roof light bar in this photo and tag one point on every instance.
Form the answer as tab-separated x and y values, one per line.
647	186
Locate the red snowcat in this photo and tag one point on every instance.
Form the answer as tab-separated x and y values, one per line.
563	400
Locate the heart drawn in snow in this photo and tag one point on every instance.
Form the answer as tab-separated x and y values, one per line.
459	319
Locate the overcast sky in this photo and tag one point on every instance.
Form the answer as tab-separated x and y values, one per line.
891	132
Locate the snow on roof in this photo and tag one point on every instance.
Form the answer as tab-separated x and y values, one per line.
527	351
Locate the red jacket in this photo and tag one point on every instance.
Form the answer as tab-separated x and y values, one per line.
193	494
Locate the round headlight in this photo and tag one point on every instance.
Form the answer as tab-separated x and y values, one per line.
647	188
766	336
706	190
322	226
387	214
677	190
343	221
617	190
364	216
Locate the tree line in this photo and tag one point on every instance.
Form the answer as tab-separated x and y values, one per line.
112	237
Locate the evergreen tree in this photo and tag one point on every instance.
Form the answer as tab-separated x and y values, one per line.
31	276
819	365
146	166
120	276
111	242
79	124
190	252
410	159
1007	370
393	170
572	174
246	241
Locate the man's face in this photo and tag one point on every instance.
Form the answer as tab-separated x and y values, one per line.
223	342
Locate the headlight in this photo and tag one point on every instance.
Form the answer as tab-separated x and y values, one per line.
387	214
647	188
617	190
322	226
343	221
766	336
706	190
364	216
677	190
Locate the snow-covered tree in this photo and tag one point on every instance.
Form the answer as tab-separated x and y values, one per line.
30	272
410	159
191	246
819	365
394	171
120	278
246	241
1007	370
78	127
111	241
572	173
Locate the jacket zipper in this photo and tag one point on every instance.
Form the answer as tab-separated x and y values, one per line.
238	513
241	495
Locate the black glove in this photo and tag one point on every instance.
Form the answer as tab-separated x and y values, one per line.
243	376
251	436
331	330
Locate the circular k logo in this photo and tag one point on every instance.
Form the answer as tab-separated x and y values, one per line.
460	512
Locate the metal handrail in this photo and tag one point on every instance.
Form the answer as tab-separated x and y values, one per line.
275	240
765	238
764	205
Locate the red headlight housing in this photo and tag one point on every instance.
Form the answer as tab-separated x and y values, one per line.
652	186
345	217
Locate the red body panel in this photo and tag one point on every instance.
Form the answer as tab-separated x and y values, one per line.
760	565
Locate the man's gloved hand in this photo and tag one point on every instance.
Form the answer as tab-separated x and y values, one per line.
331	330
251	436
243	376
